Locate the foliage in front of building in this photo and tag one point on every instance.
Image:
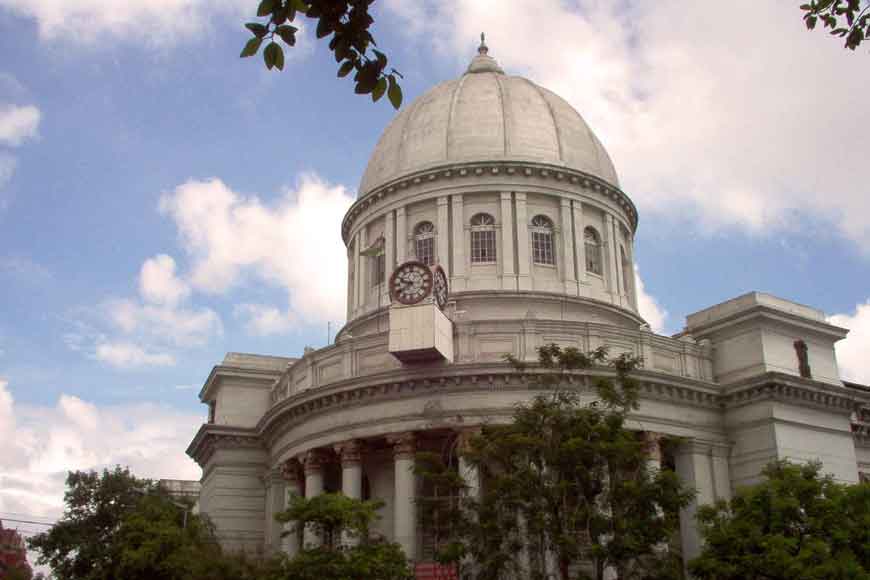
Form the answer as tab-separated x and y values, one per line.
565	487
797	525
345	547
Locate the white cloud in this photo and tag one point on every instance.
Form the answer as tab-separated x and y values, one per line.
264	320
852	353
293	244
178	326
42	443
146	332
158	282
741	120
150	21
649	307
126	355
18	124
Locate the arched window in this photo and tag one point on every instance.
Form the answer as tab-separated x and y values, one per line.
593	250
424	242
627	272
482	238
542	240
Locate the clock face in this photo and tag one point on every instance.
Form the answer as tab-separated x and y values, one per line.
439	286
411	282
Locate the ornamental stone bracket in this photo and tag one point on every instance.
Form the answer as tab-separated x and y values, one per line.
582	182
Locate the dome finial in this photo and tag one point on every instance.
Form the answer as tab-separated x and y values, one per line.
483	62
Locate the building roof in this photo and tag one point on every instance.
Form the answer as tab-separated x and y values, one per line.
485	115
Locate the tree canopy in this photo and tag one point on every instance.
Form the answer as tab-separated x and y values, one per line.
795	525
566	491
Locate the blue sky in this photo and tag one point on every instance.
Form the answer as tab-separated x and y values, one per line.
157	192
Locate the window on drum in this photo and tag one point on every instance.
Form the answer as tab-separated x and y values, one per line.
482	239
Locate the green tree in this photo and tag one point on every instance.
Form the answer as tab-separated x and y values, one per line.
846	19
795	525
80	546
352	44
564	478
119	526
347	550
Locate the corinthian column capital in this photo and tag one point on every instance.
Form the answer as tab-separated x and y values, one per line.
404	444
350	452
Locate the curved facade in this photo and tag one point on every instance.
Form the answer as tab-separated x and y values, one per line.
503	185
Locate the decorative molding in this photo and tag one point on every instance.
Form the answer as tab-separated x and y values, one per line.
583	182
211	437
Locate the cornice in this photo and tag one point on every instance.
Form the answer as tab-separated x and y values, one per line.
251	374
584	182
774	386
210	437
770	313
465	377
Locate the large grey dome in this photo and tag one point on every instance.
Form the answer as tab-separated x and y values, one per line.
486	115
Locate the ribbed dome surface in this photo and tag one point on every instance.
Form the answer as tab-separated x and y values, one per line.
486	116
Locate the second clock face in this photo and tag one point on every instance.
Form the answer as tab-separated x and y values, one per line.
439	286
411	282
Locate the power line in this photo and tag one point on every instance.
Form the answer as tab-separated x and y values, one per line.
29	522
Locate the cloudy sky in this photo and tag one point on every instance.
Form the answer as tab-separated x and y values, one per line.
163	202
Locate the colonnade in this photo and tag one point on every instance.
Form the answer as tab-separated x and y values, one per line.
701	465
304	475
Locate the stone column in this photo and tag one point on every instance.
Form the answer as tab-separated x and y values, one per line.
401	236
468	471
443	235
524	280
313	462
404	506
569	274
291	471
364	285
695	469
653	449
508	279
457	276
350	453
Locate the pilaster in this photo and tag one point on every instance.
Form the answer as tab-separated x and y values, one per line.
508	278
566	258
524	280
401	235
580	246
389	242
457	280
610	257
443	235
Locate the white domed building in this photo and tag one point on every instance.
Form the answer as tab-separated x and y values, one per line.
502	189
